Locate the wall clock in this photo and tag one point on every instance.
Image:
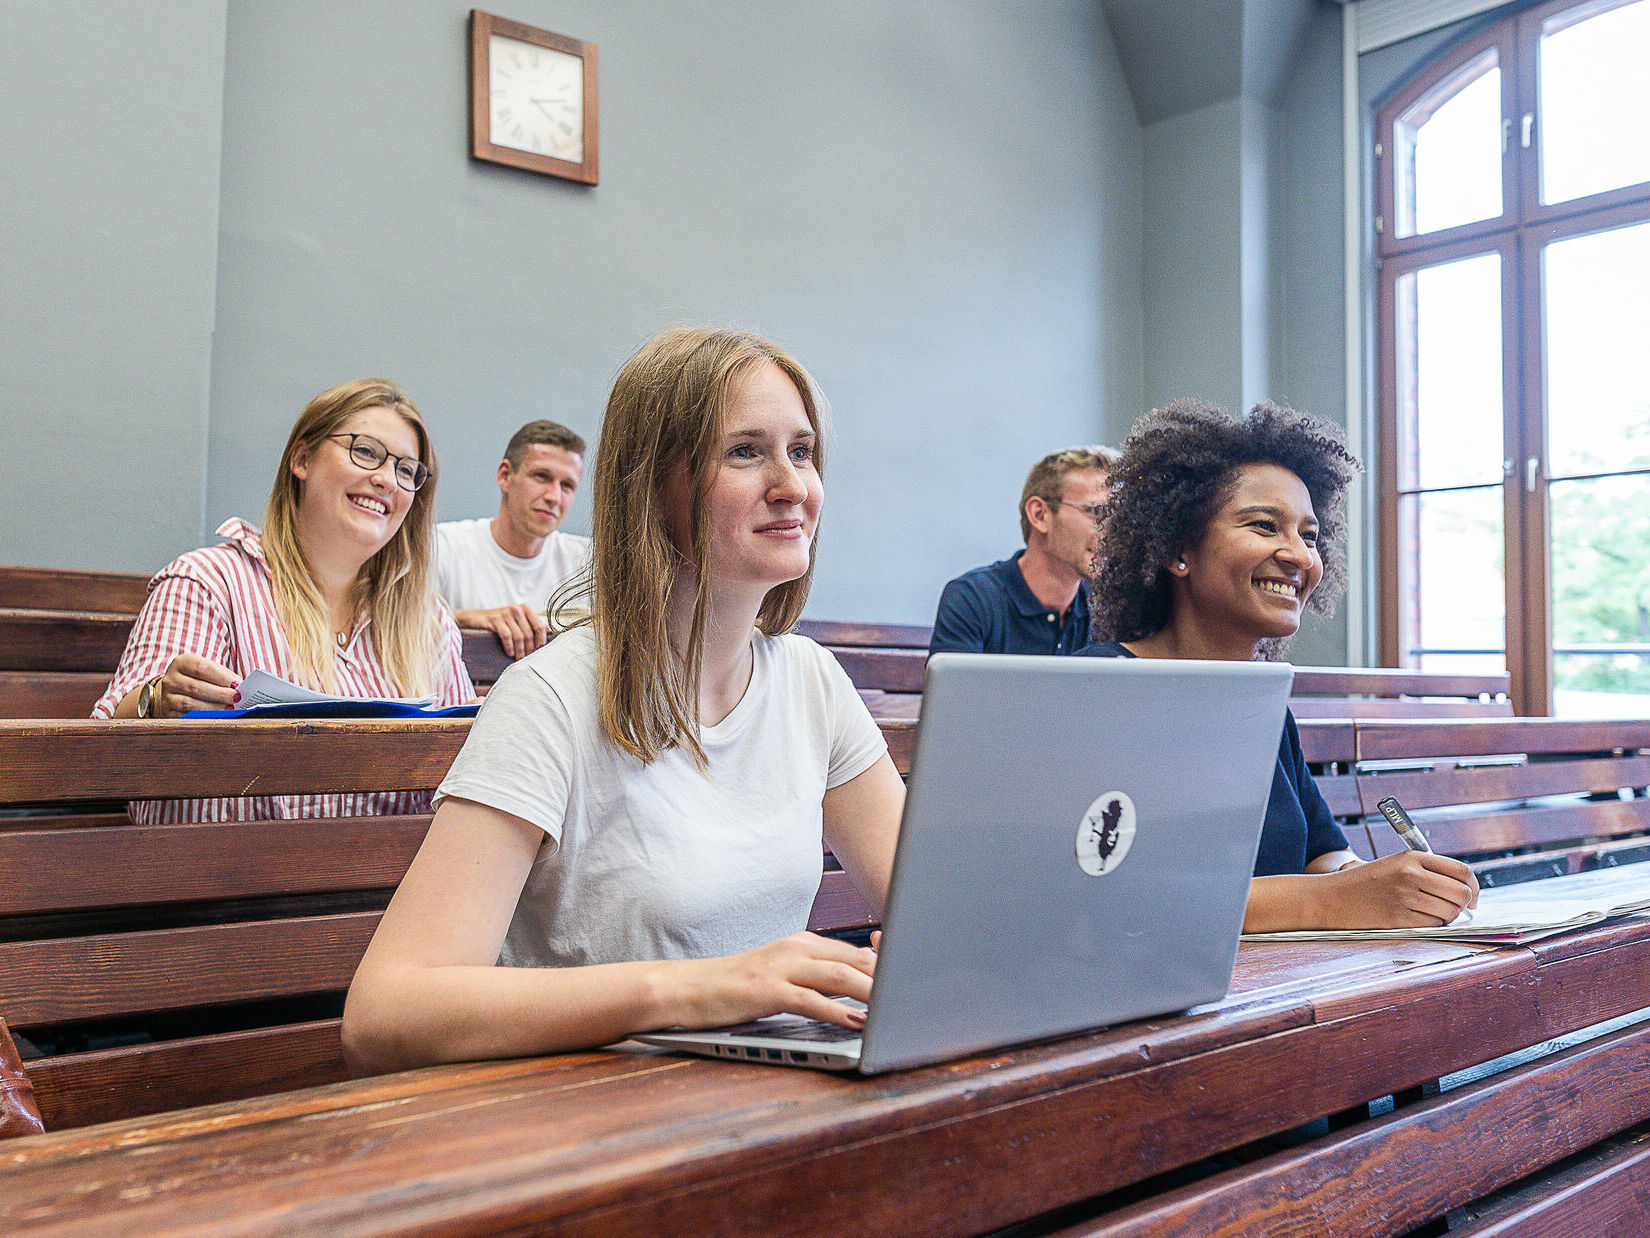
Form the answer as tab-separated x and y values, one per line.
532	98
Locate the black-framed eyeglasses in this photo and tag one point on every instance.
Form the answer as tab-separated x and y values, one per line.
366	452
1094	510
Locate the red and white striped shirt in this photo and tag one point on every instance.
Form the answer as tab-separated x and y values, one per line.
219	603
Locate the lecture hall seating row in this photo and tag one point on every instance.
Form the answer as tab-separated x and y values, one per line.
229	952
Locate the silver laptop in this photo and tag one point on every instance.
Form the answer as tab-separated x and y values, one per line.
1078	839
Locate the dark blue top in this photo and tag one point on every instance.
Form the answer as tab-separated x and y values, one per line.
1299	827
993	610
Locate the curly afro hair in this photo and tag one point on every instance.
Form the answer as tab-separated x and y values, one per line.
1178	467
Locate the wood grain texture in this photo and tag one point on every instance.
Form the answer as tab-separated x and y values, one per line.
1419	1163
1487	737
50	588
646	1144
130	865
62	762
866	635
60	640
55	980
1382	681
886	670
838	906
1435	788
79	1089
1326	740
50	694
1605	1196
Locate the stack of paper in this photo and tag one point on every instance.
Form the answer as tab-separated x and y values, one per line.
269	696
1525	912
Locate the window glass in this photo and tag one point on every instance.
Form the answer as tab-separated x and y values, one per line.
1601	596
1447	149
1597	319
1459	609
1450	390
1594	124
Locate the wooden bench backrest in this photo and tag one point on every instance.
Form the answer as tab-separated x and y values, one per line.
1550	788
51	588
852	634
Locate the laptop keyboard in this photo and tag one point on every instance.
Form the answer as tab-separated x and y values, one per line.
813	1030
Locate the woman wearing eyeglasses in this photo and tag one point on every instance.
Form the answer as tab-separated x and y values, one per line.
334	592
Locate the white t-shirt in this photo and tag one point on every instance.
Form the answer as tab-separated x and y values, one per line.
664	860
473	572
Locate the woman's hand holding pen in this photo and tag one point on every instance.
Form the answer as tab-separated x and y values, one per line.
1412	889
798	974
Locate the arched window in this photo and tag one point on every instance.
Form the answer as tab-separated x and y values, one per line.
1513	233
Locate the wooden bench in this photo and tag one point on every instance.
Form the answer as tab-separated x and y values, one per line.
219	950
52	588
1519	797
1379	692
631	1144
56	664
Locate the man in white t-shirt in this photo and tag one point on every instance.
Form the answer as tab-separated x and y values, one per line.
498	574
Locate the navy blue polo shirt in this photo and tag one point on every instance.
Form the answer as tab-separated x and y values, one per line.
1299	826
993	610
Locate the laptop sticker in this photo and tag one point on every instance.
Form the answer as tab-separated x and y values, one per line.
1105	834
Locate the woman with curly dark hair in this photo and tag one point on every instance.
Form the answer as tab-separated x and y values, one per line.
1219	533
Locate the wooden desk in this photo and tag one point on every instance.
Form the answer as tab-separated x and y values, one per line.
646	1143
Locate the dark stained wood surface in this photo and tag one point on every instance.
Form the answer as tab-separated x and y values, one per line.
1435	787
50	694
53	980
1391	740
484	657
633	1144
60	640
885	670
1383	681
1421	1163
131	759
50	588
108	1084
1607	1195
866	635
133	865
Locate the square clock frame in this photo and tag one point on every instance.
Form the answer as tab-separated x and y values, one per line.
532	99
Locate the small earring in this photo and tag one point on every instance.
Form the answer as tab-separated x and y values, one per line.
1180	566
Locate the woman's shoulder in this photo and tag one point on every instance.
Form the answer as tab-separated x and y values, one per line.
795	652
569	657
240	554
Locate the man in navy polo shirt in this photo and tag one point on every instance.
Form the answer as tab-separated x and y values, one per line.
1036	601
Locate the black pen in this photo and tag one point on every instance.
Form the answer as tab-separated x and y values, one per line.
1394	812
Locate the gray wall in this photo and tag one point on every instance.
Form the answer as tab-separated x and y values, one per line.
109	136
1308	356
935	204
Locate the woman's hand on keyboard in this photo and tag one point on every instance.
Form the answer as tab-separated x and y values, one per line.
799	974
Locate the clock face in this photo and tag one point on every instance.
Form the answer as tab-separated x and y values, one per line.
536	99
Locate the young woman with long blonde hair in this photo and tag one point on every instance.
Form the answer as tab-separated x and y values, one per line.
334	592
633	827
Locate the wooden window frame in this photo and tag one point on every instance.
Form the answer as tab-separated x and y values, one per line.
1519	234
